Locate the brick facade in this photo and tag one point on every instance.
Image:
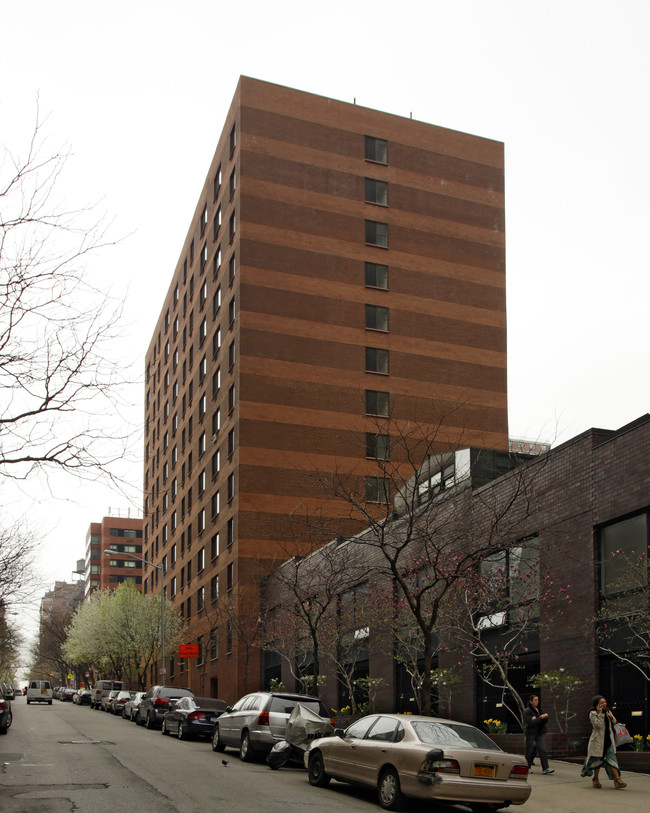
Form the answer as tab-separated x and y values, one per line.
259	354
594	479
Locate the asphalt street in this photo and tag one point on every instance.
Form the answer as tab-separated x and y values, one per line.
64	758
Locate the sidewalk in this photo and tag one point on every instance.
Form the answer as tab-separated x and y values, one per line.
565	791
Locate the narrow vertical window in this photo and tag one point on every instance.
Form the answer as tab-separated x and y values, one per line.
376	192
376	149
376	233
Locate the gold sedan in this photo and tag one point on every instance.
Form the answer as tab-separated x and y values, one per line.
421	757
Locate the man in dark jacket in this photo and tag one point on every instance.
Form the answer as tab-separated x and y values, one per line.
536	723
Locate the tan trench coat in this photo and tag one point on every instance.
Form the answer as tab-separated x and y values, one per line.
597	739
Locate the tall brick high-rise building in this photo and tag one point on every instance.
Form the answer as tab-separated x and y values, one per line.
343	268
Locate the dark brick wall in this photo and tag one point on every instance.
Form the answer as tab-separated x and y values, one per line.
594	478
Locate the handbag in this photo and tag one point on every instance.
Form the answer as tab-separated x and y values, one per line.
622	734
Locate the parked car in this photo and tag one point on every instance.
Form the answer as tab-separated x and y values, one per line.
423	758
257	721
120	701
39	691
6	716
8	691
131	706
101	689
82	697
192	717
107	701
156	702
67	694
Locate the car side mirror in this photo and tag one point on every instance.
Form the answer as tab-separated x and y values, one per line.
228	710
339	732
435	754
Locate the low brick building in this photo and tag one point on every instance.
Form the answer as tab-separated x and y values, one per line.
583	503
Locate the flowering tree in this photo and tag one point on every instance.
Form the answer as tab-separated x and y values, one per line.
445	680
304	626
118	632
559	686
428	527
497	610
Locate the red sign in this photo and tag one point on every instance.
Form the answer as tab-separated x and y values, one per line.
188	651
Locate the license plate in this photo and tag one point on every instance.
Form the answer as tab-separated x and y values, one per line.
486	771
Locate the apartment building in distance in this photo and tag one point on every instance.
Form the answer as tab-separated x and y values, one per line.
62	600
343	275
123	535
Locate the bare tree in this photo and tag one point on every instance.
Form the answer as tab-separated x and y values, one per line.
499	609
428	523
623	621
10	643
302	624
47	651
58	381
17	551
225	619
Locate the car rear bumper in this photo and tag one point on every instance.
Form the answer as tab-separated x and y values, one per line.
262	740
464	789
199	729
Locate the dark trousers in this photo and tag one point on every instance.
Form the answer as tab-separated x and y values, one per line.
535	739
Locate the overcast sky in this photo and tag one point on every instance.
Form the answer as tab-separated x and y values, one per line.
139	91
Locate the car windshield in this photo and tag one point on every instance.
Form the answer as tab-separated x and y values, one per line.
454	735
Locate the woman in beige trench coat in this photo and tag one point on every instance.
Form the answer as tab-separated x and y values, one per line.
601	751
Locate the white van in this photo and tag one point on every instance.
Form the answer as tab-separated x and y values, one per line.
103	688
39	691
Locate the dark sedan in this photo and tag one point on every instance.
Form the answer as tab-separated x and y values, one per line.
5	715
82	697
192	717
67	695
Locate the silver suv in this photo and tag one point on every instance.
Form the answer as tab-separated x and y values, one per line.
257	721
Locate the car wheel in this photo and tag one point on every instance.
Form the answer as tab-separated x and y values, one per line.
181	734
390	793
138	718
217	743
485	807
49	702
3	729
245	748
28	701
163	728
316	771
